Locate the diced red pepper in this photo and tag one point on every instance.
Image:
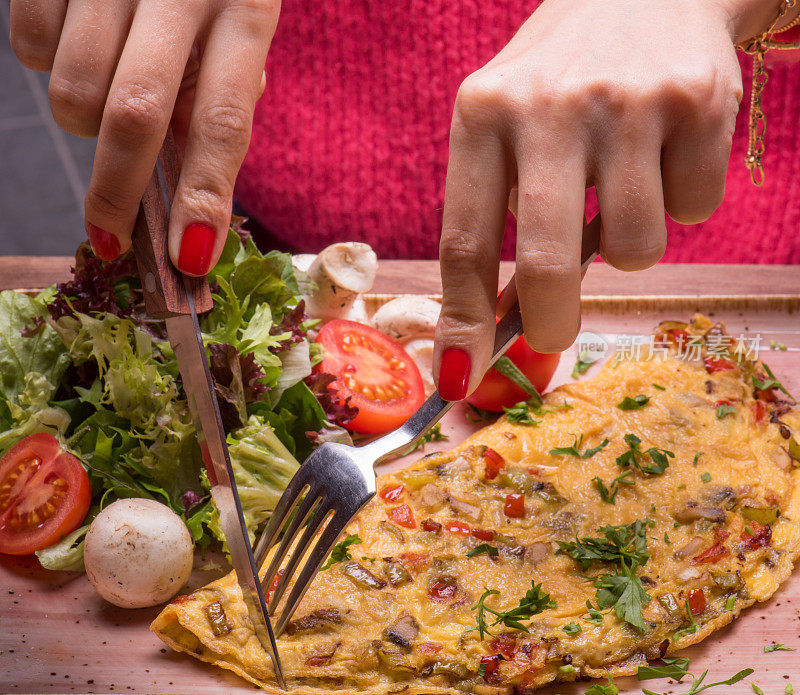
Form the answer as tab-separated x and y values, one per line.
676	336
761	538
767	395
457	527
723	401
431	526
505	643
415	561
274	585
494	463
483	534
718	364
515	505
696	599
183	598
489	664
759	411
717	551
402	516
428	648
442	591
392	492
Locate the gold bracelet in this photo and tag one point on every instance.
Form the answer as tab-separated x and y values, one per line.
758	48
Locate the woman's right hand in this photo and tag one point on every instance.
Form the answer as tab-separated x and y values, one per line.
124	71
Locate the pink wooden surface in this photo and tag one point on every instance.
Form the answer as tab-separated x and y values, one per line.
58	636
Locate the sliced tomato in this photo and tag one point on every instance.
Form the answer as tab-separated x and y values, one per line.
483	534
374	371
44	495
489	664
431	526
496	391
759	411
442	590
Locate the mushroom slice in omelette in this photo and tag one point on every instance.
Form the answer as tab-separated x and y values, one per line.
631	515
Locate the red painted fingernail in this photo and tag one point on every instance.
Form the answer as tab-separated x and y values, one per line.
197	246
104	244
454	374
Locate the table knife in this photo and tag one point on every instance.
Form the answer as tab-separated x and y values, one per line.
177	298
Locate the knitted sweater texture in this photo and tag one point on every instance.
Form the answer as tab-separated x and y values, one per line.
350	138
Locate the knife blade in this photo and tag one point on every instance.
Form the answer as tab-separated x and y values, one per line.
170	295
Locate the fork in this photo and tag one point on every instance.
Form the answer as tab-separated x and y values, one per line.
336	480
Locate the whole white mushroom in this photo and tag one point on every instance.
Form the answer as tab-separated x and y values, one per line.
138	553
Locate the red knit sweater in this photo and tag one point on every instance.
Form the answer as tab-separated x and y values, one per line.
350	137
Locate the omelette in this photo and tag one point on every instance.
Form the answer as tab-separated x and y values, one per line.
624	517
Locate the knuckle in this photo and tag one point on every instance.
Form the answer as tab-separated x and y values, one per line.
539	266
635	252
460	253
104	203
481	97
76	104
136	111
211	200
31	54
227	123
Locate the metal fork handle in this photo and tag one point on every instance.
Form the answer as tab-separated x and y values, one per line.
508	329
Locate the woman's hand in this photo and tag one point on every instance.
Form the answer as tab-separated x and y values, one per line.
124	71
636	98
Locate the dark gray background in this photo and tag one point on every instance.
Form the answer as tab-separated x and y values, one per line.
44	171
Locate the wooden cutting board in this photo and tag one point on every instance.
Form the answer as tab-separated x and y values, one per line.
58	636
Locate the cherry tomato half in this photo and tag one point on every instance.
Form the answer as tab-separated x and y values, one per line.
496	391
374	371
44	495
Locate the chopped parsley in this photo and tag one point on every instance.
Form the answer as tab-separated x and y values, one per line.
706	477
756	689
582	364
789	690
636	458
574	450
520	414
777	648
725	409
666	538
595	616
675	667
602	689
659	387
775	345
687	630
626	547
696	458
532	603
572	628
434	434
770	383
634	403
340	551
508	369
609	494
489	550
730	603
698	686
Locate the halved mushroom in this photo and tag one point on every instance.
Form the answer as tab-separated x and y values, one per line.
693	511
341	272
403	631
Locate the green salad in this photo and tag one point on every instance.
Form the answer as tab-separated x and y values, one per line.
83	361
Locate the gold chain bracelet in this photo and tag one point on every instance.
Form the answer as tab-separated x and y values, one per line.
758	48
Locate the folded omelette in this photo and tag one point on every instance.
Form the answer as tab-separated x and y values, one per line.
629	515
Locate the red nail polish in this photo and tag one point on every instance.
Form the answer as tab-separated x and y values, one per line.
104	244
197	246
454	374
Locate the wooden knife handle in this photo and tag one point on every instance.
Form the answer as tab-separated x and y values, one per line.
164	293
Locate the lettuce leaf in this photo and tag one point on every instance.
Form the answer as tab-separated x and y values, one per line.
262	467
32	413
27	344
